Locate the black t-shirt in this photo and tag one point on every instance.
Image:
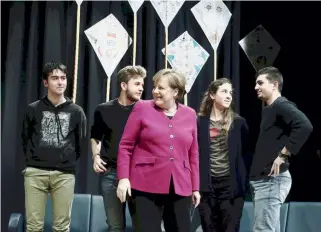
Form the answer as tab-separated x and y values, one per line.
110	119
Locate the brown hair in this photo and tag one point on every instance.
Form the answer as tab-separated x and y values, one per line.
176	80
272	74
129	72
207	104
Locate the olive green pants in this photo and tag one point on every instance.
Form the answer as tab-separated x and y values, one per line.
38	183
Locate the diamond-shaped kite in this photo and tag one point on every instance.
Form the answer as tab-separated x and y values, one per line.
79	2
260	47
110	41
135	4
167	10
186	56
213	17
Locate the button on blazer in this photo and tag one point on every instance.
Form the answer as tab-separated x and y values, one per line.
154	148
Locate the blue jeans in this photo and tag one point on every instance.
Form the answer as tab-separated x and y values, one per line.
114	209
268	196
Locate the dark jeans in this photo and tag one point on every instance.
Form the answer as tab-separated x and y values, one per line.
218	211
151	208
115	210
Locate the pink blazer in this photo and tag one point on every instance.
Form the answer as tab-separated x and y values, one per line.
153	148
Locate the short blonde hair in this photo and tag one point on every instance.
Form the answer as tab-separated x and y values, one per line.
129	72
176	80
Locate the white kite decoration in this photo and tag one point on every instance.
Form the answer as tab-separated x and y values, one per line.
188	57
135	4
260	47
213	17
79	2
167	11
110	42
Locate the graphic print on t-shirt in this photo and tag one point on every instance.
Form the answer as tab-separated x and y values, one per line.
219	161
214	132
54	132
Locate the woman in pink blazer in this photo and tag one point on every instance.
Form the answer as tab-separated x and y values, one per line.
158	161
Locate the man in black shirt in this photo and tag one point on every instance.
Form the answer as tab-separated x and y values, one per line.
283	131
109	121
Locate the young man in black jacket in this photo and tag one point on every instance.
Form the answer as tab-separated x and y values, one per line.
109	122
283	131
54	131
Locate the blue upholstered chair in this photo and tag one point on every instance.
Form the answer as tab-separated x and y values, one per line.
247	220
98	216
80	216
304	217
88	215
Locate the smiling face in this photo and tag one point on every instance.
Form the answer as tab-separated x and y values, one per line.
223	96
265	88
56	82
163	94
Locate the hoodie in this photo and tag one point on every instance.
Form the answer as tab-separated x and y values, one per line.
53	136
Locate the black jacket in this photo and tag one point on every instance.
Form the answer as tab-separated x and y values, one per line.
240	156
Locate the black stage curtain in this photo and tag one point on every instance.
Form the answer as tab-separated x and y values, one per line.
34	33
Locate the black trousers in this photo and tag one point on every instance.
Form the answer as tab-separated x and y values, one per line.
152	208
218	211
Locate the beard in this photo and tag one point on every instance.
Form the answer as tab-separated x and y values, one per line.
130	95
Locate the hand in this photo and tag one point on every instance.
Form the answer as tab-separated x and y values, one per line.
99	164
276	166
196	198
122	189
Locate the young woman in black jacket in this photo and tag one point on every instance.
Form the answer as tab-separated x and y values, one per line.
224	159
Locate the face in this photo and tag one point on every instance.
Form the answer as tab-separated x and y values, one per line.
223	96
134	88
264	88
163	94
56	82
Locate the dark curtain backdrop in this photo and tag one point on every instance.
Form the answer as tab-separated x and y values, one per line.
34	33
37	32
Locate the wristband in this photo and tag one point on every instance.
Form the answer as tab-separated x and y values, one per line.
284	156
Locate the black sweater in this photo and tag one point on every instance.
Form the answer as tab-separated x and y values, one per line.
110	119
53	136
283	124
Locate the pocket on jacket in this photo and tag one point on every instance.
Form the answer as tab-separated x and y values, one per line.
187	165
141	161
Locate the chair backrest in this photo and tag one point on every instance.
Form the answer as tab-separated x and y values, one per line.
196	220
98	216
80	214
247	220
304	217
